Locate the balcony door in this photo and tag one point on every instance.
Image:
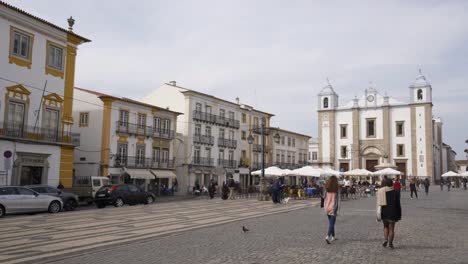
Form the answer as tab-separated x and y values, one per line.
51	124
140	156
15	121
121	159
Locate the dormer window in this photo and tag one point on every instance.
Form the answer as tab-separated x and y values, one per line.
325	102
420	94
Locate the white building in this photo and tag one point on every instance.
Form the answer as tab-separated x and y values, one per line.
124	139
37	71
313	156
377	129
215	133
291	151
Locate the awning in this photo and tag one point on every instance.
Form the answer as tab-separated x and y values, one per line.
139	174
163	173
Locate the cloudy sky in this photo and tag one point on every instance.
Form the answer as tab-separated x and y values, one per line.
274	55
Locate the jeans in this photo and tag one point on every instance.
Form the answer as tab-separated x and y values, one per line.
331	225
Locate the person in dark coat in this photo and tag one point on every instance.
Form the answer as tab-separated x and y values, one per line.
426	186
224	191
211	188
412	187
391	213
60	186
275	191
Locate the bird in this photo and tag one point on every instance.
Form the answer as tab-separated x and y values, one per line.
245	229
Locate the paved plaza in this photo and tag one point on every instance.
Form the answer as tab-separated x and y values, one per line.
433	230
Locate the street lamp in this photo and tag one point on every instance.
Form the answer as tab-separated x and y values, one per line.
250	139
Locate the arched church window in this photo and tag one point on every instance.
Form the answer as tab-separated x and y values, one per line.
325	102
420	94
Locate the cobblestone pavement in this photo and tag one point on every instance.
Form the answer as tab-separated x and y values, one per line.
44	237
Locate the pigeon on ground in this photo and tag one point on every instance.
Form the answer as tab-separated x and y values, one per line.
245	229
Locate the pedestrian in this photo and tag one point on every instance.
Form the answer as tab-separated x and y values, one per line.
426	186
224	191
464	183
441	184
232	186
60	186
412	187
449	184
390	211
331	206
211	189
397	186
275	191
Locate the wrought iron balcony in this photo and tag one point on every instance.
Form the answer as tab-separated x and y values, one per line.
202	161
215	119
147	131
258	165
226	163
229	143
141	162
258	148
40	134
287	165
203	139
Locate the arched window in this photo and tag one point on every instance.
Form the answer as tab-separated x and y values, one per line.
420	94
325	102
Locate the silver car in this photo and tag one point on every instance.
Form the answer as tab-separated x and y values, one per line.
17	199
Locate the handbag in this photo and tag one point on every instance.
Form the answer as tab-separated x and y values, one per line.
379	213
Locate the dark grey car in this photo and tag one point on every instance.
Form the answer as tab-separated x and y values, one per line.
18	199
70	200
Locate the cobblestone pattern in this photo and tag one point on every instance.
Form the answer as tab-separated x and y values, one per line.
433	230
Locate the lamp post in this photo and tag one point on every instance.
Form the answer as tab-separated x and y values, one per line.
263	131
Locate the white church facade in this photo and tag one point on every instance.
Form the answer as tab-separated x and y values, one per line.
378	129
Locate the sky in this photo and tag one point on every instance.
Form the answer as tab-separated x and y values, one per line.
274	55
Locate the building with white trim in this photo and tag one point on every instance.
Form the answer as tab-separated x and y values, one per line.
37	71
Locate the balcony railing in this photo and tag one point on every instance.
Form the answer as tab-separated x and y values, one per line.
141	162
226	163
258	148
202	161
286	165
215	119
203	139
139	130
40	134
258	165
229	143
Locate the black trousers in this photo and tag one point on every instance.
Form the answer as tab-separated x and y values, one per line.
415	193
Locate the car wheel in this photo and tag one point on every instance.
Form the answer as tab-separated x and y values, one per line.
119	202
54	207
71	205
2	211
100	205
149	200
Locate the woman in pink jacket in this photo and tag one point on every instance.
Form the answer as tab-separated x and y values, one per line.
331	206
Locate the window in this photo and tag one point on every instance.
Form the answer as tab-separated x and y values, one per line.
294	142
197	130
231	155
282	140
282	157
221	133
244	118
221	154
84	117
255	124
420	94
314	155
198	107
400	128
343	131
121	154
15	115
166	126
7	191
196	155
293	158
208	131
156	154
21	44
400	150
51	122
244	154
289	157
325	102
231	115
222	113
231	134
244	135
344	151
123	117
208	109
157	124
370	127
140	155
165	156
96	182
24	191
141	120
278	157
208	153
133	188
54	56
289	141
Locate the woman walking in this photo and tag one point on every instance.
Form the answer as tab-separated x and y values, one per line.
412	187
389	203
331	206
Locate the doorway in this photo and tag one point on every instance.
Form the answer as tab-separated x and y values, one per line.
370	164
31	175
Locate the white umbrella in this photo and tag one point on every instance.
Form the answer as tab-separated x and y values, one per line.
329	172
387	171
357	172
307	171
450	174
287	172
464	174
270	171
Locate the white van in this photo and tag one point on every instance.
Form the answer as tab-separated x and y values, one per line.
87	186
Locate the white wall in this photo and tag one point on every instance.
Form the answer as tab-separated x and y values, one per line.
421	141
401	114
371	113
343	118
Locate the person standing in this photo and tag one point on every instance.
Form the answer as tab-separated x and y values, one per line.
331	206
211	189
389	203
275	191
464	183
224	191
397	186
412	187
426	186
441	184
449	184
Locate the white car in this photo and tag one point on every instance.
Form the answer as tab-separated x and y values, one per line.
17	199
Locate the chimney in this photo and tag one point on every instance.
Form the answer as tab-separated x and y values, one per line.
173	83
71	22
238	100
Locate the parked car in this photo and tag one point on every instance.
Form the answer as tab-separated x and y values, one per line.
70	200
87	186
18	199
120	194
